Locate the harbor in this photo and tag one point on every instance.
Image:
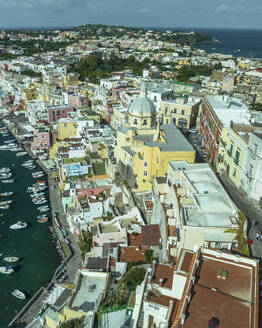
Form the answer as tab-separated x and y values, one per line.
33	245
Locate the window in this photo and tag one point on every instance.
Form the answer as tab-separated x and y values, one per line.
145	164
145	122
250	169
182	112
144	181
65	125
166	110
166	121
236	160
154	98
175	110
234	173
135	121
145	173
230	150
255	148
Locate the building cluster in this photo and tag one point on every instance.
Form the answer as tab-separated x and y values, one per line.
137	161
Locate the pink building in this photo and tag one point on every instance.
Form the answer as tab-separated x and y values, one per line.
57	112
41	141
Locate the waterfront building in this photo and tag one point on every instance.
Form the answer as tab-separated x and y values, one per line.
144	149
41	141
216	113
58	111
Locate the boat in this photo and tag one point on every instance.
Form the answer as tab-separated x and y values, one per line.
35	195
8	181
4	207
17	293
4	170
6	193
30	167
18	225
5	175
43	207
29	162
42	220
38	174
6	202
6	270
21	153
9	141
11	259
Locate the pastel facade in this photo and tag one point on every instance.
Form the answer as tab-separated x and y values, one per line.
66	129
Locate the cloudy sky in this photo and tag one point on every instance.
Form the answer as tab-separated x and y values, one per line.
173	13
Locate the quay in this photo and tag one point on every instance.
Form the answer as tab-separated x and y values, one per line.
69	265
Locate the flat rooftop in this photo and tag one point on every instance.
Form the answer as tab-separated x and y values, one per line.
89	289
229	109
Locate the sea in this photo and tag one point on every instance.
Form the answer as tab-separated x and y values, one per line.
245	43
33	245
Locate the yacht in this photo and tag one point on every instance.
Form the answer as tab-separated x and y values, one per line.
6	270
11	259
18	225
17	293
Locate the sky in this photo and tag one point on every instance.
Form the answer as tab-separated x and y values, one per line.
170	13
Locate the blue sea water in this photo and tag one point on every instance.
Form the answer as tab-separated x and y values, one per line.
237	42
33	244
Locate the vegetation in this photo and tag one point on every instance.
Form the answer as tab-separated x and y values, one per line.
149	256
242	247
256	107
186	72
74	323
99	168
31	73
85	243
95	68
134	277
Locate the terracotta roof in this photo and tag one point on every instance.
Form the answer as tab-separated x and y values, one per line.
95	263
132	254
151	235
165	272
231	312
186	262
172	231
134	239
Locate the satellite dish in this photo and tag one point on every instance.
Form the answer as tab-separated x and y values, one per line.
195	248
252	120
234	212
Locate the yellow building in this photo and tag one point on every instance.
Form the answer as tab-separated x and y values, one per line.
66	128
144	148
181	111
232	154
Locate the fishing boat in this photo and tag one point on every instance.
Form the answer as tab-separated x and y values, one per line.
18	225
43	208
18	294
42	220
6	193
21	153
4	207
6	270
8	181
11	259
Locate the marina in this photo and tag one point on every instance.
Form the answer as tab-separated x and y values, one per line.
29	250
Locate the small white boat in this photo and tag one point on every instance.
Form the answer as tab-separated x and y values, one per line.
4	207
9	141
38	174
4	170
6	202
8	181
6	270
21	153
5	175
18	225
6	193
17	293
11	259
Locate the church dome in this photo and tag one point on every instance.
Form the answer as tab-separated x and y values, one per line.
142	106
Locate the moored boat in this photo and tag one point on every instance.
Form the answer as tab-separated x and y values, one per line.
8	180
21	153
42	220
6	269
6	202
17	293
18	225
6	193
4	207
11	259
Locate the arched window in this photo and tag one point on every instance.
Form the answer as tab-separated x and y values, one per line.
135	121
145	122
